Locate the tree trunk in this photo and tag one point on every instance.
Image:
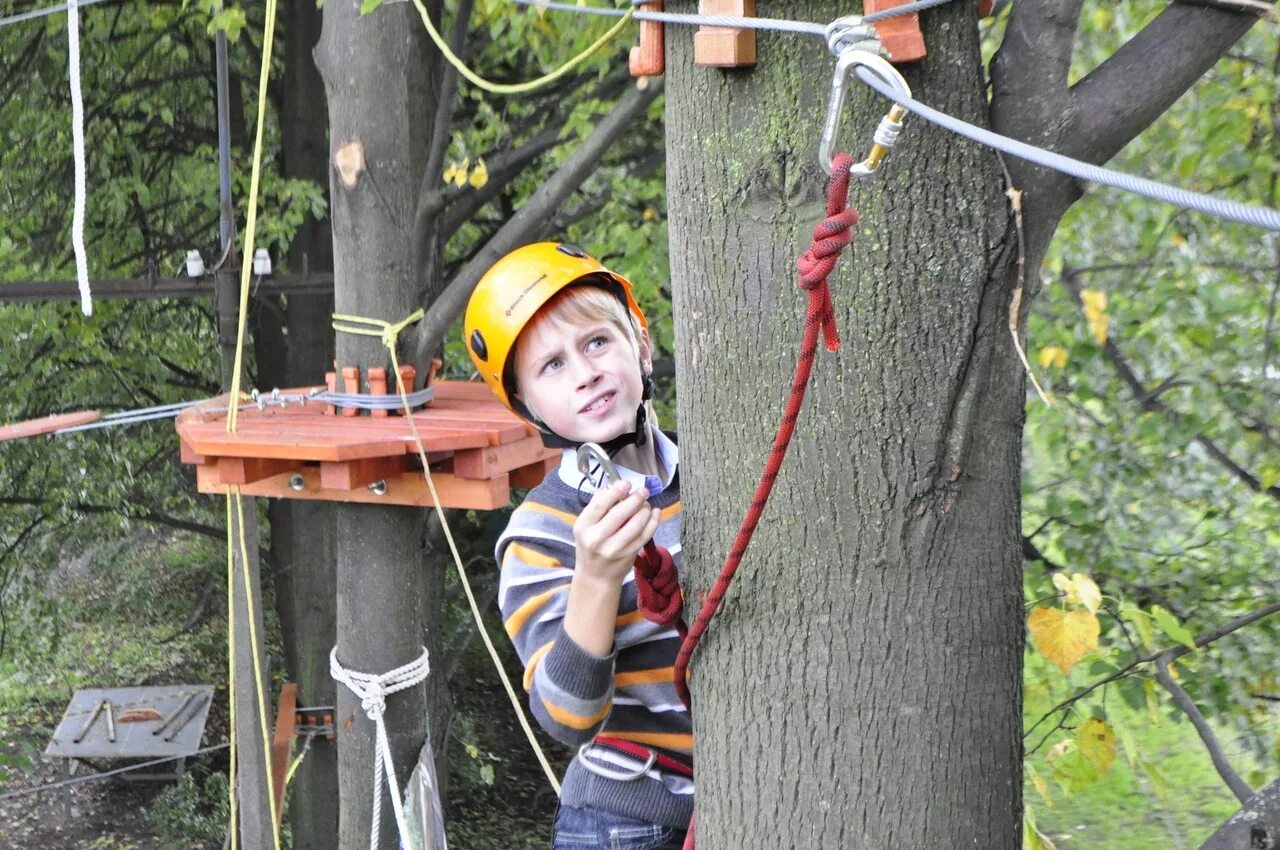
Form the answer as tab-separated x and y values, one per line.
861	686
302	532
380	94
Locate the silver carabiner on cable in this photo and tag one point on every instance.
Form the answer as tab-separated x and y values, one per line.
609	773
592	457
851	55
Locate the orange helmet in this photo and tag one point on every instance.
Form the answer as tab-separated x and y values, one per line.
511	293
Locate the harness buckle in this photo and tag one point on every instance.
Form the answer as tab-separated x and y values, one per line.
609	773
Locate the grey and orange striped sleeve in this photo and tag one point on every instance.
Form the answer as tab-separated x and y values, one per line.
570	689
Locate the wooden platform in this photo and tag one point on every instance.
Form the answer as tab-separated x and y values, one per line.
478	451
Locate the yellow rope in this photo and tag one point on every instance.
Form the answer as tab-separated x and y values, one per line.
231	676
257	671
388	332
251	225
517	88
233	493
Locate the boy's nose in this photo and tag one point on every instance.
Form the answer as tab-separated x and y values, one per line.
588	376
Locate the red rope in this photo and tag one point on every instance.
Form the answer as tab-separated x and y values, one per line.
829	237
658	587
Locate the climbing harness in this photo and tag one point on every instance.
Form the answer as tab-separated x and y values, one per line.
373	691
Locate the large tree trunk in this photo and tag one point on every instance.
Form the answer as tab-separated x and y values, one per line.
861	686
381	93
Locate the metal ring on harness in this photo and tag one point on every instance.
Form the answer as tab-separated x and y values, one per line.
618	775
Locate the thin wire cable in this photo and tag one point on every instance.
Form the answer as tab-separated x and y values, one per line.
77	154
774	24
1264	217
40	13
95	777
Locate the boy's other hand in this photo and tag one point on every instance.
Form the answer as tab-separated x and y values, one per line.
611	531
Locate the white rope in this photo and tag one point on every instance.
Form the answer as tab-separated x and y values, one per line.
77	149
373	692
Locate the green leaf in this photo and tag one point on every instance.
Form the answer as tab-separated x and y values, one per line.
1170	626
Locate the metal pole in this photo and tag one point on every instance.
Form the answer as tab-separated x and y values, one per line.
225	223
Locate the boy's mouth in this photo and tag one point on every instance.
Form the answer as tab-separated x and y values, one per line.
599	404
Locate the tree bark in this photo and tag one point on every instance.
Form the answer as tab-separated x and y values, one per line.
380	93
861	687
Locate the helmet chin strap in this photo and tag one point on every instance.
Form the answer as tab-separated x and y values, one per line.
638	437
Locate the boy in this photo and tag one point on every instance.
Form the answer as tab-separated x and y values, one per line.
561	341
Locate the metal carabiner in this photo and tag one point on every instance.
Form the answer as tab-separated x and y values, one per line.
593	457
890	125
617	775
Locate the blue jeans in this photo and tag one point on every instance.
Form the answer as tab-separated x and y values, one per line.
594	829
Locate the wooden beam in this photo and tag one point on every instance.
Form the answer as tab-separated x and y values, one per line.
725	47
141	288
282	744
348	475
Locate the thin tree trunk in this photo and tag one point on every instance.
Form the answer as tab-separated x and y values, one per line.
380	95
301	531
861	686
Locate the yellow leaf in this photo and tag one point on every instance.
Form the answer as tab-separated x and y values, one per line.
1063	638
1052	355
1098	326
1033	838
449	173
1087	592
1153	701
650	214
1097	743
479	175
1042	787
1102	18
1178	239
1079	589
1095	312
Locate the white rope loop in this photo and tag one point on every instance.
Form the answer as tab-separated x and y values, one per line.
373	690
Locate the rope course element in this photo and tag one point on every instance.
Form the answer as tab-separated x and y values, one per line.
384	331
48	10
1264	217
77	154
515	88
96	777
373	691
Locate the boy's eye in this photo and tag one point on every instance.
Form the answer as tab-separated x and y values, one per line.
597	341
551	365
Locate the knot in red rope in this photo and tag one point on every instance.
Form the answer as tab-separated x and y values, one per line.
658	585
832	233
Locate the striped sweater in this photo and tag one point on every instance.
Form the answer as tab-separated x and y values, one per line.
574	694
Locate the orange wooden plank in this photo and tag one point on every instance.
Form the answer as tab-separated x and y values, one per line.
532	475
282	743
725	47
217	442
408	488
647	56
900	34
348	475
246	470
47	424
188	455
493	460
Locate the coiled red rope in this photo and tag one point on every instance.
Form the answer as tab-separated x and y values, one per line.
830	236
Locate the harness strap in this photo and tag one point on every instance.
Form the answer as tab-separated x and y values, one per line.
640	751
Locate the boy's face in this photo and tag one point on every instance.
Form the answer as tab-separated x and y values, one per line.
583	381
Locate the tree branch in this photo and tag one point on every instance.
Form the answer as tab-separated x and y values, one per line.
531	217
1237	785
1170	654
1122	97
1149	402
504	168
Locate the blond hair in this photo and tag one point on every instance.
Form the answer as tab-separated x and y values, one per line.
581	304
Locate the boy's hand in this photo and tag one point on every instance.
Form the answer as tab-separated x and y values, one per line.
611	530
